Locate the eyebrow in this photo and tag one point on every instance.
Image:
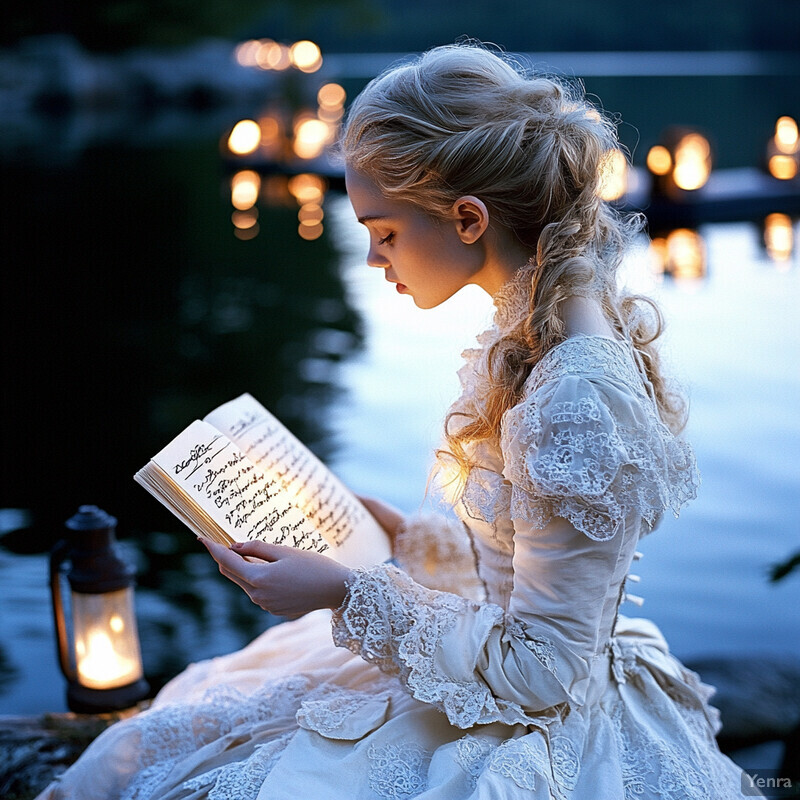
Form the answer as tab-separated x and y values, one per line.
371	218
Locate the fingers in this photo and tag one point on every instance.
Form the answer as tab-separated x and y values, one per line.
263	550
231	564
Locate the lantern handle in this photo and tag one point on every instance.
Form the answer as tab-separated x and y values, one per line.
58	555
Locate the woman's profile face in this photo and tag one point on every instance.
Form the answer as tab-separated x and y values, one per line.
423	256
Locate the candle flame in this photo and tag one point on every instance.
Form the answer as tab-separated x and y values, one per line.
101	667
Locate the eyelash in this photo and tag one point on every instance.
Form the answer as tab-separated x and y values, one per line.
386	239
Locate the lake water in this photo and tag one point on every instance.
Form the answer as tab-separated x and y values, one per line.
165	314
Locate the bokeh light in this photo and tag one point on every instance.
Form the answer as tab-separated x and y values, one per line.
245	186
782	166
786	135
659	160
779	237
307	188
306	56
244	138
310	138
692	162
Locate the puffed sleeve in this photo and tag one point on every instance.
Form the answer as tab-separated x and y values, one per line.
593	451
476	662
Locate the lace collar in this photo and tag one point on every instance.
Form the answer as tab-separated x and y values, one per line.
512	300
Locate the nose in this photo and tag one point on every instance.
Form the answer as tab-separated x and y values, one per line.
376	259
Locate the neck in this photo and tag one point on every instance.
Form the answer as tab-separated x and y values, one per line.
584	316
505	254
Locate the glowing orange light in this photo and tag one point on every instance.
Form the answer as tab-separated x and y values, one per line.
100	665
245	53
245	186
783	167
331	115
331	95
244	138
613	175
116	623
786	135
658	255
306	56
310	214
659	160
245	219
307	188
692	162
310	138
686	254
779	237
272	55
310	232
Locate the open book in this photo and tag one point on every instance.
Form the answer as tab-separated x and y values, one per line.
239	475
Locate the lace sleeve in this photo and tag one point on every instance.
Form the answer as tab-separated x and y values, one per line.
593	451
436	551
473	661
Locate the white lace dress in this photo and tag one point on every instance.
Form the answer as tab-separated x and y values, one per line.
495	664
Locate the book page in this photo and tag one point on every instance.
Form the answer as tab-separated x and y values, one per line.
228	497
332	509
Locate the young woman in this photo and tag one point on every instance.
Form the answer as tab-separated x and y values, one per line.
494	662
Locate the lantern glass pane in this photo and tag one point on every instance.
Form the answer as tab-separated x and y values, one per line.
107	651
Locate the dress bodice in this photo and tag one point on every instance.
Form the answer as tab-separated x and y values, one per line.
585	446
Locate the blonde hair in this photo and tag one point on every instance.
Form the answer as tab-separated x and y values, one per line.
463	120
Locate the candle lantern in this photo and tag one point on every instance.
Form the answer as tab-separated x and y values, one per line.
98	644
680	164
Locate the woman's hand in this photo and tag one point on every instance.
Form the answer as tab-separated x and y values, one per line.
388	517
282	580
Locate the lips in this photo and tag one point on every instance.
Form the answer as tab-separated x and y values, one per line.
401	287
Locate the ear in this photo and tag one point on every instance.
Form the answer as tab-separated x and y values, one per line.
471	218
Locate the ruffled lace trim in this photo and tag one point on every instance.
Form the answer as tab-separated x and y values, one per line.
398	625
593	456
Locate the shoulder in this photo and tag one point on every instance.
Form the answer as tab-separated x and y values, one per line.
586	442
583	380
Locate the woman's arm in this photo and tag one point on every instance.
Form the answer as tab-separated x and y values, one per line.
475	662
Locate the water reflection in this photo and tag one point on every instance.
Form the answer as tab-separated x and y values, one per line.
783	150
129	311
681	255
779	239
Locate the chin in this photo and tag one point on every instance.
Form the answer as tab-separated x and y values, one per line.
431	302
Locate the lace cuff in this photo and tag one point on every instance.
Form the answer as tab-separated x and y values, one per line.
473	662
593	452
437	553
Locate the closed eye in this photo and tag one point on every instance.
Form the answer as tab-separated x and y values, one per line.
386	239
